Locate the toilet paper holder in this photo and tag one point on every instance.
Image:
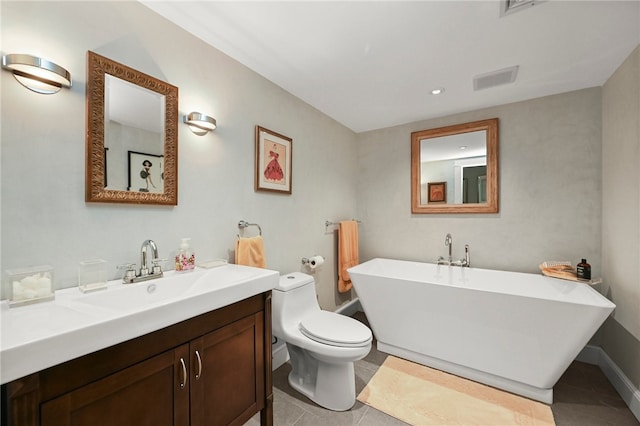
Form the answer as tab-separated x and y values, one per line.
313	261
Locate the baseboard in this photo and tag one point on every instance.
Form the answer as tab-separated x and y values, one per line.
590	355
280	354
350	308
629	393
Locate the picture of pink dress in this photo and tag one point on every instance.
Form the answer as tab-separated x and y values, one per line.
273	171
272	161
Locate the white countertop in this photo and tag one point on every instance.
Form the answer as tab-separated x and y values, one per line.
38	336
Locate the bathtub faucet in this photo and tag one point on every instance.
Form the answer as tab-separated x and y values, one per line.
448	241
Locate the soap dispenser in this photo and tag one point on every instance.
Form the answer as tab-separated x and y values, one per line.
185	257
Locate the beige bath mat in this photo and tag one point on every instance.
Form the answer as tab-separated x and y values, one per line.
420	395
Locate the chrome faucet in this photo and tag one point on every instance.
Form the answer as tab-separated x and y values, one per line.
149	267
448	241
467	257
144	262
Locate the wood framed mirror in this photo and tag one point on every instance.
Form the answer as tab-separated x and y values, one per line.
454	169
132	135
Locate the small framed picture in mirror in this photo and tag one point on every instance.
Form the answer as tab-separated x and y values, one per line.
437	192
145	172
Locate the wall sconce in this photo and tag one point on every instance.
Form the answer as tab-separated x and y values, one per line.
199	123
37	74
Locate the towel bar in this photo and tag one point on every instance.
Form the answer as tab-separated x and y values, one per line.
329	223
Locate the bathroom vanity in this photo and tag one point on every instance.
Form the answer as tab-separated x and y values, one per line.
213	368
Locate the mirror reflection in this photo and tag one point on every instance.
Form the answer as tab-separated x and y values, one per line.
132	143
454	169
133	137
460	161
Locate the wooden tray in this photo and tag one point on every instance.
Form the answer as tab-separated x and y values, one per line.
566	272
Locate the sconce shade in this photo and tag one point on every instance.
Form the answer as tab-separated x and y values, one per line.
200	121
37	74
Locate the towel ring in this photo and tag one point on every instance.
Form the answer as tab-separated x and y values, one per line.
244	224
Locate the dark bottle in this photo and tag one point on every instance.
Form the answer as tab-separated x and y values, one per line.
584	270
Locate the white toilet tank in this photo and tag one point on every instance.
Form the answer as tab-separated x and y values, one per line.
292	299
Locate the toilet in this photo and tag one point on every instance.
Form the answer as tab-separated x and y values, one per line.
322	345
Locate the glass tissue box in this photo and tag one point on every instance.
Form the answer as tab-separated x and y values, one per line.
92	275
30	285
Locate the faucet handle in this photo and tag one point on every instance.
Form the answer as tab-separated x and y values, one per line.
157	265
127	266
130	272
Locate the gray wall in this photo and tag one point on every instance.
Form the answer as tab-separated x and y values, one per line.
45	219
550	189
568	189
621	215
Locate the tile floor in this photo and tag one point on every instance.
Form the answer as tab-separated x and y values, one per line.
582	397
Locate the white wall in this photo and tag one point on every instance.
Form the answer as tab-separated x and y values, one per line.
621	215
45	219
550	189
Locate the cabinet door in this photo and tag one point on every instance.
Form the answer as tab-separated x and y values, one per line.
229	365
154	392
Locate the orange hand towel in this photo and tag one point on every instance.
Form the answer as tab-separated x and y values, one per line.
347	253
250	252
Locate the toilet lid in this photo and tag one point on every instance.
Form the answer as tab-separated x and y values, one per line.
335	329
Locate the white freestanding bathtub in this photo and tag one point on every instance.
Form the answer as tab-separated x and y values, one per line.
514	331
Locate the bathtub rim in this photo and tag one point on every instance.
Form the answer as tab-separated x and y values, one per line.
596	298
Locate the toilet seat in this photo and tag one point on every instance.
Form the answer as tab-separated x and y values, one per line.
335	330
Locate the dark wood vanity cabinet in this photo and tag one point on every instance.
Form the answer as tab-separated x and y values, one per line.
214	369
230	386
142	394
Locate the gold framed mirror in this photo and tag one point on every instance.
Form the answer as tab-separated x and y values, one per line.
132	135
454	169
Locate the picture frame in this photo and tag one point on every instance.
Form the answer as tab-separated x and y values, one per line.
273	161
437	192
146	172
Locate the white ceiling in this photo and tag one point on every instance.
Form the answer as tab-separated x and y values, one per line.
134	106
372	64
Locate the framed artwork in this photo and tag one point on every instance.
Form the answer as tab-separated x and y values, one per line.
437	192
146	172
273	161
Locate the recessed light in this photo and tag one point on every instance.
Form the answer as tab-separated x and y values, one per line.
463	147
437	91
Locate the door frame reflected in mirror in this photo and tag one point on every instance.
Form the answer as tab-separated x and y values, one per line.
490	126
95	191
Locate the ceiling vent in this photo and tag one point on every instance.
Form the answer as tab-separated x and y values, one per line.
495	78
509	6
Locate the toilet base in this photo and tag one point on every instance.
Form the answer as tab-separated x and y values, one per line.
335	387
330	385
